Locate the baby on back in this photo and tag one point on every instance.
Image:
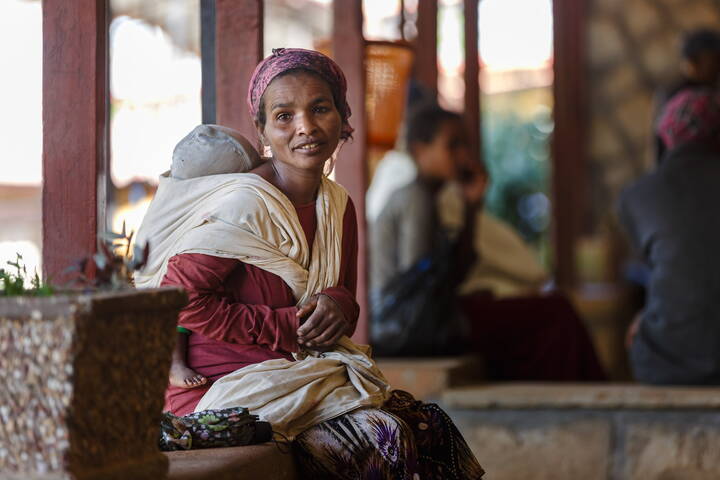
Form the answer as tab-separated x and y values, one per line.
212	150
206	150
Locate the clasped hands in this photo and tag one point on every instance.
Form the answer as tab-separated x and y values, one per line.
322	323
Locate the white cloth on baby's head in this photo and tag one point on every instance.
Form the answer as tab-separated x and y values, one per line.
211	150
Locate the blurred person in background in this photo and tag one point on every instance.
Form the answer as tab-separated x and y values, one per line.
671	217
524	336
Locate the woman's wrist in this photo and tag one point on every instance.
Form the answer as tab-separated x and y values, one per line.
337	304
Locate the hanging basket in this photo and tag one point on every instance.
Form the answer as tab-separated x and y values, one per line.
388	66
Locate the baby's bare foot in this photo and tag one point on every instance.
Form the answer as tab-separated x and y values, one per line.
184	377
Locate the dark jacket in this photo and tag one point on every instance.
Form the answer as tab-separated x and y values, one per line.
673	218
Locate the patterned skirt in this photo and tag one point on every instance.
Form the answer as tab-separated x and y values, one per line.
405	440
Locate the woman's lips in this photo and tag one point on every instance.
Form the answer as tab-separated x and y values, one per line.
311	148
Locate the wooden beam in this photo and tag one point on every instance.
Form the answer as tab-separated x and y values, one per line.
351	168
238	49
472	78
75	123
426	69
569	146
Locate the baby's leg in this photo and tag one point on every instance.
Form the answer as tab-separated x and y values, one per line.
180	374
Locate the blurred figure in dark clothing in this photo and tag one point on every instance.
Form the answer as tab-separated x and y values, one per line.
672	217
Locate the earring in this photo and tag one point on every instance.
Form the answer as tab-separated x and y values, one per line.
266	152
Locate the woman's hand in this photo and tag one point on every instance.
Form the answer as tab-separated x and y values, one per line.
324	323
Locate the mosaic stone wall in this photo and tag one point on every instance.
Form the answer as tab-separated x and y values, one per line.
633	50
85	378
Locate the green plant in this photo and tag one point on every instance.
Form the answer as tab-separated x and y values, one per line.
111	268
14	282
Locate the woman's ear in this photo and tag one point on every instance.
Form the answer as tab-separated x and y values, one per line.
261	134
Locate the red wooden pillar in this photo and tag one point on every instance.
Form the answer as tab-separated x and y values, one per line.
351	167
238	49
569	138
472	77
426	69
75	122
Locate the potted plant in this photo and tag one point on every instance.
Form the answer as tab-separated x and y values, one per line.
84	372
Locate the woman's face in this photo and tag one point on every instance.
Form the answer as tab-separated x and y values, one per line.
302	126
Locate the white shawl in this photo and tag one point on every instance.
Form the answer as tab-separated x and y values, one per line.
243	216
294	396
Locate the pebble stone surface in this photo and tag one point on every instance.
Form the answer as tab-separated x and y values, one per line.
84	378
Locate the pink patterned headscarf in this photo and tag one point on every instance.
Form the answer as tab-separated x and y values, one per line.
693	115
284	59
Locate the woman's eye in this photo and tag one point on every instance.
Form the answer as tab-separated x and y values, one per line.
283	117
321	109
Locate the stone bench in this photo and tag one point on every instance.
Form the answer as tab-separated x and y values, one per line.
252	462
428	377
590	431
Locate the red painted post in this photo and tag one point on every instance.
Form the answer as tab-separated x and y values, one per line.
351	168
74	130
426	69
472	78
569	138
238	49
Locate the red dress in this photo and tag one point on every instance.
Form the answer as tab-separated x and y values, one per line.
240	315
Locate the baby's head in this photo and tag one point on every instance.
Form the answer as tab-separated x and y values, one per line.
212	150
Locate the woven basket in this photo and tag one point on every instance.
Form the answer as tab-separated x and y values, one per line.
388	66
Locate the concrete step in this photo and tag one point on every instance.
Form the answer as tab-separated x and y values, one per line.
251	462
427	378
592	396
590	431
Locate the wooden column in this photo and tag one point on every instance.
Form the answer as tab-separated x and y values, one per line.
569	139
75	122
238	49
351	167
472	78
426	69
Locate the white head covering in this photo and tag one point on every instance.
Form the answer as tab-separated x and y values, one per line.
212	150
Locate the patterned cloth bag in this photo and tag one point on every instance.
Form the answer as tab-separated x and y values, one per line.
230	427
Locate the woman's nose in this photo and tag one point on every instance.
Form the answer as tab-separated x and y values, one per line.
306	125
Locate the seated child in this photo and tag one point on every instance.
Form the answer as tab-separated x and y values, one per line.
207	150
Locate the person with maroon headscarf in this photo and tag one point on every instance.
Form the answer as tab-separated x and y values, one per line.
240	314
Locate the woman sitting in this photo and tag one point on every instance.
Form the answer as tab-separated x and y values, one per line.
292	284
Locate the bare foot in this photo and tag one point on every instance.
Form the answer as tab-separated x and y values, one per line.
184	377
